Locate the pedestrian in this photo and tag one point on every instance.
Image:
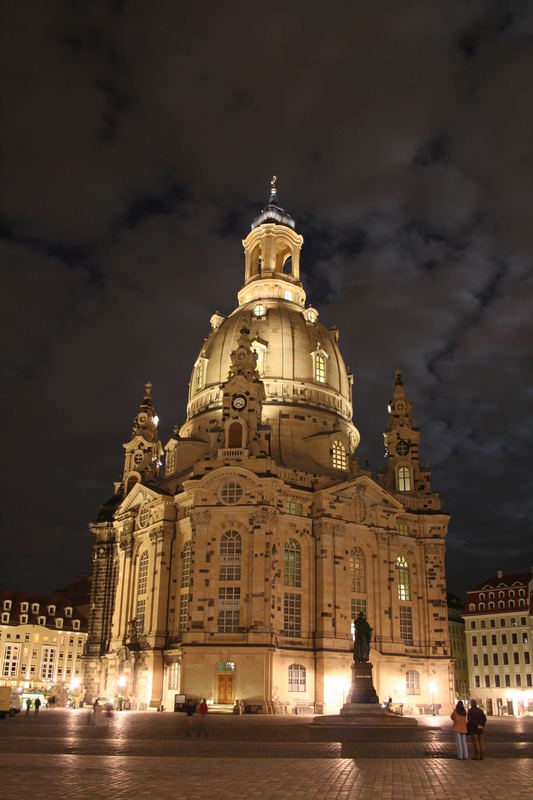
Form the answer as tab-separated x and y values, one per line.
202	709
476	727
28	706
96	710
37	705
458	717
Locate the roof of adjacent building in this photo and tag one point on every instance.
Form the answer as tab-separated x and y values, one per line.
504	581
44	601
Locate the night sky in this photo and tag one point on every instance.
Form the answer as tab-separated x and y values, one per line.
137	143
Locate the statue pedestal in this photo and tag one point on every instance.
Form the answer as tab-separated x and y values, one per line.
362	706
362	688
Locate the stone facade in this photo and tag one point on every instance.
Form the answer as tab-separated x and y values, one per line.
235	571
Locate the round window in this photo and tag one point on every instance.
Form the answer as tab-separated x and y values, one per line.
231	493
402	448
144	516
260	311
138	457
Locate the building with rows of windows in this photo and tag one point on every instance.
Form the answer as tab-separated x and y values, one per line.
499	627
235	570
42	639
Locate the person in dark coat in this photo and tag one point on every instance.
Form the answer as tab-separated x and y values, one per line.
476	726
37	705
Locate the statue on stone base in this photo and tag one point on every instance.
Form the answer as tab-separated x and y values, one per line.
363	635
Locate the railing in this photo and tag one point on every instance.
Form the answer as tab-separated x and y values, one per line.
232	452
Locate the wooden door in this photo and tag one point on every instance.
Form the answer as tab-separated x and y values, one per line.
225	688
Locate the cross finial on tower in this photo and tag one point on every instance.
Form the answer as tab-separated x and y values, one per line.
273	190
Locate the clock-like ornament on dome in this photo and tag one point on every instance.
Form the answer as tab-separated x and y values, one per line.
238	402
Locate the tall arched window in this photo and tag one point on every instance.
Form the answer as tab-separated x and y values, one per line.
230	556
338	456
404	591
357	570
404	479
186	566
412	682
320	368
293	563
142	585
142	576
296	678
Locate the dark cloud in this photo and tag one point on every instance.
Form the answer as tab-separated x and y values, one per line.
137	145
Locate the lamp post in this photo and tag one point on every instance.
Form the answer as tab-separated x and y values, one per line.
432	689
121	686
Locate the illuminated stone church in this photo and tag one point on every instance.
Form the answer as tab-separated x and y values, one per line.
231	563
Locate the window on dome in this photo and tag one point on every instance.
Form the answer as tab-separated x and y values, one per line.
287	295
259	311
311	315
338	456
320	368
404	479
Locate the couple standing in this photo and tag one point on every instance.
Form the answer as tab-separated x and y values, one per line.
473	724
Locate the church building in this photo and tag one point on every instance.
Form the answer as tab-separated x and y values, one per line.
232	563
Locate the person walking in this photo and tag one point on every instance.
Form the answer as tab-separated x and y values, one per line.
476	726
190	708
458	717
203	709
28	706
37	705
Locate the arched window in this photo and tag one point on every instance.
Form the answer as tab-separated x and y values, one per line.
357	570
296	678
404	479
412	682
230	556
186	566
293	563
235	435
404	591
320	368
142	575
200	375
338	456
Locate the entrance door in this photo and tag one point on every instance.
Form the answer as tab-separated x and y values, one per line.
225	688
489	706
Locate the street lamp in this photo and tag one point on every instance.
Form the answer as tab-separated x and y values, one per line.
432	689
121	686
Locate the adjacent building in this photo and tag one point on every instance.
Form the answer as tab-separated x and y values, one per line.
42	638
456	629
231	563
499	622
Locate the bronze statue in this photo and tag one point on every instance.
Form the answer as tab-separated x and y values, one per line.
363	635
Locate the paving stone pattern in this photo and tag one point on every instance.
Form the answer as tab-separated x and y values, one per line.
64	754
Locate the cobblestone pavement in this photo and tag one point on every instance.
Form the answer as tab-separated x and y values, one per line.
63	754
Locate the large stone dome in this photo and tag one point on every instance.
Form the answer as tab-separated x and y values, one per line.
298	357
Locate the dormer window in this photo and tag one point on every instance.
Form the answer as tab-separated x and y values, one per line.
24	606
311	315
35	608
41	620
59	622
68	611
5	616
51	610
76	624
260	311
482	596
319	357
23	619
7	605
200	373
